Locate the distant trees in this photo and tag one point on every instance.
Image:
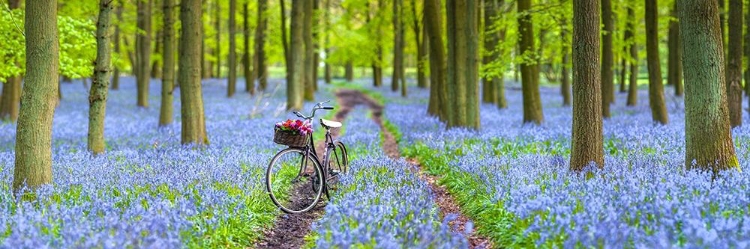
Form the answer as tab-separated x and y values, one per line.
655	84
10	97
191	96
607	70
532	104
708	139
734	63
260	53
33	162
232	79
100	83
143	51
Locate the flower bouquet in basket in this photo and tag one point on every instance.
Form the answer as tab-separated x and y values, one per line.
292	133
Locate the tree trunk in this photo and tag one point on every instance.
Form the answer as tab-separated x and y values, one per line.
166	112
438	65
398	48
655	85
377	70
607	79
421	46
11	98
674	74
633	48
489	88
191	96
232	78
722	23
116	74
308	51
143	54
587	139
284	40
327	68
532	104
217	26
315	45
155	66
708	138
623	72
349	71
294	89
100	84
247	58
746	48
33	162
734	65
462	64
565	84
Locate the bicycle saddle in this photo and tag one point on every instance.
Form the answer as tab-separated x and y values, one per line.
330	123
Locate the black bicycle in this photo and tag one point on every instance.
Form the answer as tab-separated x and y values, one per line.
296	178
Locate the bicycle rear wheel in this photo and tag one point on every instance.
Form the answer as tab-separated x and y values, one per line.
338	163
293	180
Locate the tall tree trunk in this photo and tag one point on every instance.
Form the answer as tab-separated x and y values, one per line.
655	85
623	72
116	74
327	68
734	65
294	89
462	64
11	99
155	65
217	26
191	95
565	75
143	54
708	138
315	44
532	104
308	52
722	22
232	78
746	47
166	112
349	71
438	65
100	84
285	43
377	70
421	46
489	91
607	59
247	58
33	162
633	49
674	74
398	48
587	144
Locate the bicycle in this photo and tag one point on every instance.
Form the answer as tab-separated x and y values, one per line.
295	177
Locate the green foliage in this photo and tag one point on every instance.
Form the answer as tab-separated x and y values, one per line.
12	50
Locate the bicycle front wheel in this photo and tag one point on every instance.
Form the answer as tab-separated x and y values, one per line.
338	163
293	180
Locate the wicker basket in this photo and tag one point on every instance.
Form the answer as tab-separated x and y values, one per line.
289	139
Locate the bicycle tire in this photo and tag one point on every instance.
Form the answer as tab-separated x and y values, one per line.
290	185
337	165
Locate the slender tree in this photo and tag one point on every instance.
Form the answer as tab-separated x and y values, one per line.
33	162
309	52
607	77
143	54
155	65
100	83
398	46
295	70
377	70
565	75
349	71
217	26
438	66
166	112
232	77
746	47
674	74
708	139
285	43
462	64
116	73
327	49
655	85
587	139
734	63
420	44
633	49
260	41
489	82
248	58
532	104
191	96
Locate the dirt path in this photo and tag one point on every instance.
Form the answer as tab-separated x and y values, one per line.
443	199
290	229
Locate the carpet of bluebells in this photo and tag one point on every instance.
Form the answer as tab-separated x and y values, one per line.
513	179
147	190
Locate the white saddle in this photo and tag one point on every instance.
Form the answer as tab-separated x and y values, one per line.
330	123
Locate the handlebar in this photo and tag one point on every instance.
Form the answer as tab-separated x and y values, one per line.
317	106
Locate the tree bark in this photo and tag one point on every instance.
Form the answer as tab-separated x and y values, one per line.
633	48
462	64
746	47
398	48
33	159
734	65
607	58
532	105
489	87
10	98
143	54
327	68
349	71
565	82
674	74
587	139
438	65
294	89
100	84
421	46
247	57
116	75
623	72
308	51
191	96
232	77
155	65
217	26
166	112
655	85
708	138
